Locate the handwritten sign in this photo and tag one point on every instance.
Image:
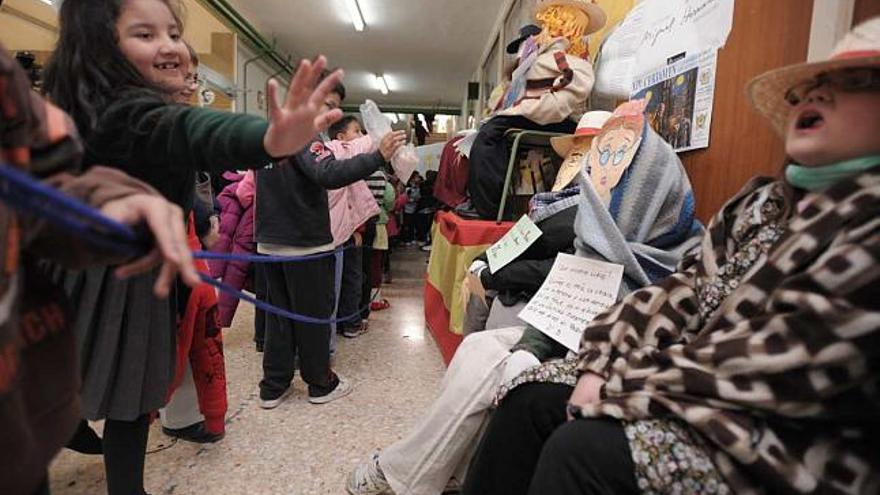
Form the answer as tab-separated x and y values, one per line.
656	30
576	290
513	244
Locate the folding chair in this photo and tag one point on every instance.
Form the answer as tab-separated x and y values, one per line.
524	139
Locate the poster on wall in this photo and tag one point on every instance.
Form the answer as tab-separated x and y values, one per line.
679	99
655	31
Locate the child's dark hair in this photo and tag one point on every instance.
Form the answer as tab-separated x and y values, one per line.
341	126
88	71
338	89
193	56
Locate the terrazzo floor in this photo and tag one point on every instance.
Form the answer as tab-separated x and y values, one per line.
298	448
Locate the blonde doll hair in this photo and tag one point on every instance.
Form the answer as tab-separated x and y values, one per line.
568	22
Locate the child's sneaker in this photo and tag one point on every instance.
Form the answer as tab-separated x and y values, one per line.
368	478
342	389
273	402
356	331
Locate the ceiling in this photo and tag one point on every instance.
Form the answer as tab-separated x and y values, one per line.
428	50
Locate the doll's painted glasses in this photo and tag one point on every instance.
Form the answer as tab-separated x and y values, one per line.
848	80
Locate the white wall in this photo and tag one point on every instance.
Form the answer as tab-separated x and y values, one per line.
257	74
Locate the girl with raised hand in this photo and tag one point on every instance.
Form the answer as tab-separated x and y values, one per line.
115	69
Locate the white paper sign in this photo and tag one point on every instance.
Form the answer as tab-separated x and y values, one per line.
429	157
656	30
514	243
575	292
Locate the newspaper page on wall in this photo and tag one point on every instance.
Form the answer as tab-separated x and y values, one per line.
680	98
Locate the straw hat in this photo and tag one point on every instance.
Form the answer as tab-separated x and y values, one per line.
594	12
859	48
590	125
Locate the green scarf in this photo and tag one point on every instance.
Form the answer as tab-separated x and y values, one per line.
818	178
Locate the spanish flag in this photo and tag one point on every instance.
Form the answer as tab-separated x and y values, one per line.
455	244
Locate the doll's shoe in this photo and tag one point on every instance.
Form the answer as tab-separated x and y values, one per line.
368	478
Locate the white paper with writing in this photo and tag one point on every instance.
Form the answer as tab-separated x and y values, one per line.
656	30
575	292
514	243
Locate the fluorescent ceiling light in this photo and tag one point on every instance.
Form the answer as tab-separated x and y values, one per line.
381	85
354	12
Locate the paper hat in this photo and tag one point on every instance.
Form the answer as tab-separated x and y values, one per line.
590	125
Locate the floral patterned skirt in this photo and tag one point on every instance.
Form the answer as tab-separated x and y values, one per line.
669	457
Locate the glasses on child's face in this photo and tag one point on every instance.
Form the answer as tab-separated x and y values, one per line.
847	80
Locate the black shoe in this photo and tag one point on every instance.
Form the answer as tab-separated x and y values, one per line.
85	440
194	433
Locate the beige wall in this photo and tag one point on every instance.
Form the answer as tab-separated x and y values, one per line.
28	25
33	26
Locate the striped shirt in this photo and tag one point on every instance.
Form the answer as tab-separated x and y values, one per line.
376	182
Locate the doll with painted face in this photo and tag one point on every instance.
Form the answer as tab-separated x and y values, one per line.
612	151
548	91
575	147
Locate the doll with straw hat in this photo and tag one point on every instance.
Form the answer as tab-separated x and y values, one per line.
571	19
548	92
827	111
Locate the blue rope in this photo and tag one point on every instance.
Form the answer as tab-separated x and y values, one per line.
28	195
265	258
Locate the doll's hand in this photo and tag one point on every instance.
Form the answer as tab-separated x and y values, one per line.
295	123
390	143
587	391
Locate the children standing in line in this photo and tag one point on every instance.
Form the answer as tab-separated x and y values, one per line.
115	66
297	189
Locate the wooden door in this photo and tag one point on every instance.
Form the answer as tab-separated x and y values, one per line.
765	35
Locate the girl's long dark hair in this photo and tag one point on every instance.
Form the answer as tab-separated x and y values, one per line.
87	70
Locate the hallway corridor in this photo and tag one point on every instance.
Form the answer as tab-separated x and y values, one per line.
298	448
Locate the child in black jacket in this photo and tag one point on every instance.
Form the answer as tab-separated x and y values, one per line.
293	219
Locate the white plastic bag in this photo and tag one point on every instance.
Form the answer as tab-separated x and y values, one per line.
405	160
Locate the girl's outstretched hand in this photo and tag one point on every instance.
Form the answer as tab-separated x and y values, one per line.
295	123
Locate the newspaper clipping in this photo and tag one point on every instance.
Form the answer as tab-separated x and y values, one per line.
679	99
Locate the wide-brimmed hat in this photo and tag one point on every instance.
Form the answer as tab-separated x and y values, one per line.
524	33
594	12
590	125
859	48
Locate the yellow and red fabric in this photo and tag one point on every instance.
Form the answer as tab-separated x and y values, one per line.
455	244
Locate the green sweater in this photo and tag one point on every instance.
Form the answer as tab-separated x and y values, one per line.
164	144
